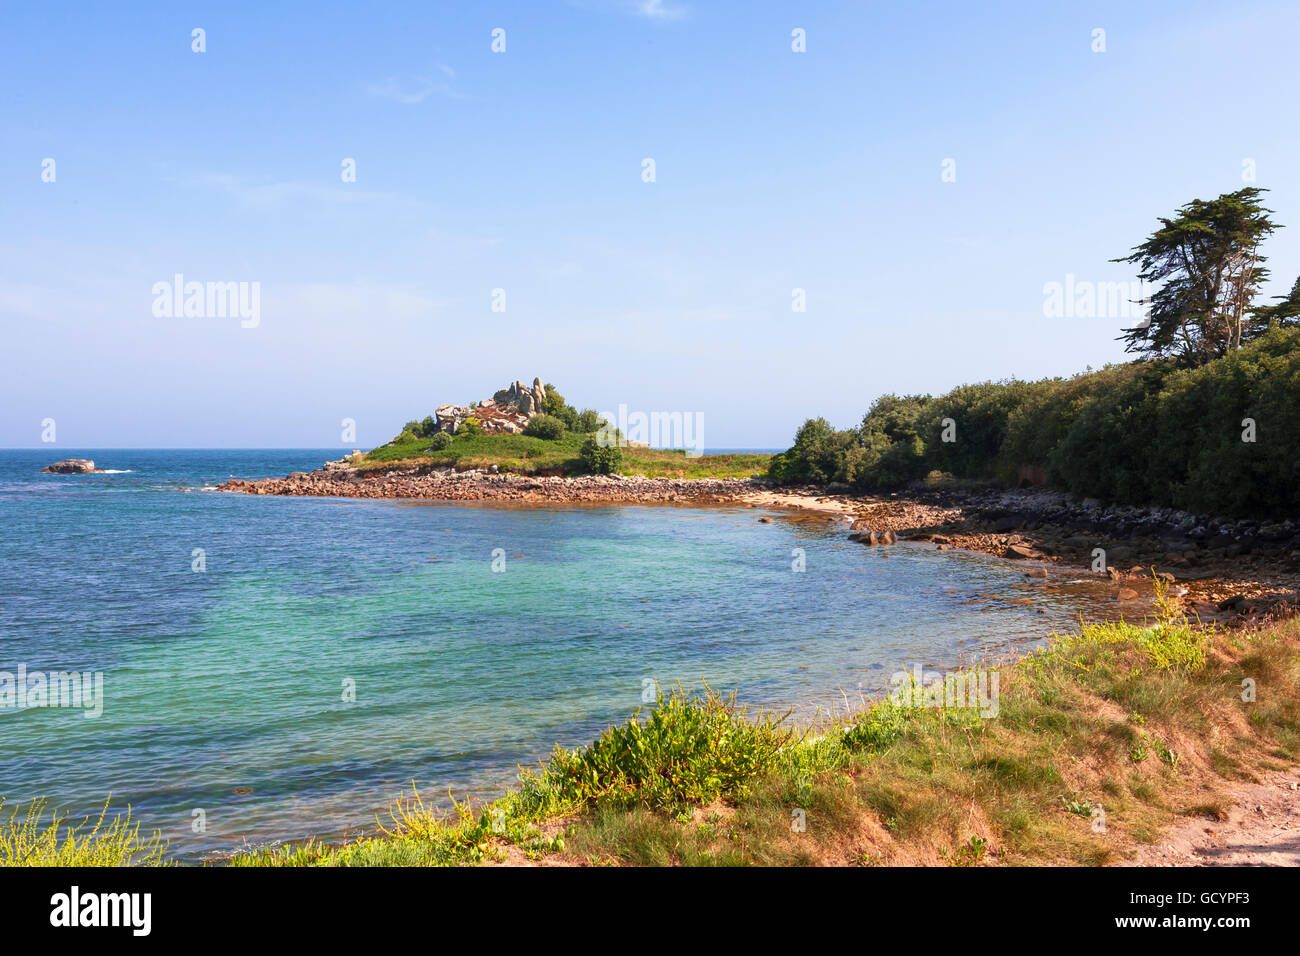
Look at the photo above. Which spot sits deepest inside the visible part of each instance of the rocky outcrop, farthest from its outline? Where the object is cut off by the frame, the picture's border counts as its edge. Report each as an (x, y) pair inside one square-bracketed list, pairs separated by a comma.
[(527, 400), (506, 412), (72, 466), (449, 417)]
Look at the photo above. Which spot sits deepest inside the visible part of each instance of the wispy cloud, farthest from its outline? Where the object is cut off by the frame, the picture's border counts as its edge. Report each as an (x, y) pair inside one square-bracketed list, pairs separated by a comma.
[(648, 9), (419, 89), (655, 10)]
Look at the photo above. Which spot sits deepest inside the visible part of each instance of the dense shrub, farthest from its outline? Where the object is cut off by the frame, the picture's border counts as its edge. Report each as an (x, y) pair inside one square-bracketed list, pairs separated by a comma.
[(688, 750), (975, 418), (1146, 432), (600, 459), (440, 441), (1175, 437), (820, 454), (575, 421), (545, 426), (589, 420)]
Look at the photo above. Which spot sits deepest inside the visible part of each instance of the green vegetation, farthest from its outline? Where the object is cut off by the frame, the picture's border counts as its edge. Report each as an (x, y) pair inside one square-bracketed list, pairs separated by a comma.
[(26, 841), (1218, 438), (675, 463), (697, 781), (1205, 423), (470, 448), (585, 421), (1206, 263), (687, 751), (561, 441), (528, 454), (545, 426), (600, 459)]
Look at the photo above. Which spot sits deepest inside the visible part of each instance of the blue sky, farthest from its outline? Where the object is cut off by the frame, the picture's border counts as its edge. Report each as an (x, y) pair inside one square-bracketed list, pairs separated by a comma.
[(522, 171)]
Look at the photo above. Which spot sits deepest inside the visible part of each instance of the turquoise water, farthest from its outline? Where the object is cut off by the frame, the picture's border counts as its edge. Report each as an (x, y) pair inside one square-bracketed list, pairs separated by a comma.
[(224, 689)]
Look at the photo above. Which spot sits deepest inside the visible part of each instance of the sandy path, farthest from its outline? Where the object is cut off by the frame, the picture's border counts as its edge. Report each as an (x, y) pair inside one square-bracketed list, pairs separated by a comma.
[(1262, 829), (831, 506)]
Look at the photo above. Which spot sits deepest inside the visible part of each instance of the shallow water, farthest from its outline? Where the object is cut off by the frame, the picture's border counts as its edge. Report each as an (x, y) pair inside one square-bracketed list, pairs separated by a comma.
[(224, 688)]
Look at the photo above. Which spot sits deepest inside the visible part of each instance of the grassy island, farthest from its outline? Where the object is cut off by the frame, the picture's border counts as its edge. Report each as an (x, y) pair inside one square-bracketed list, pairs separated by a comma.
[(560, 441), (528, 455)]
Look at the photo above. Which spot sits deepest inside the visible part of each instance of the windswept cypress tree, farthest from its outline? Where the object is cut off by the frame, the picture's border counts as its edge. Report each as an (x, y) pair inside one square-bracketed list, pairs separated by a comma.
[(1207, 265)]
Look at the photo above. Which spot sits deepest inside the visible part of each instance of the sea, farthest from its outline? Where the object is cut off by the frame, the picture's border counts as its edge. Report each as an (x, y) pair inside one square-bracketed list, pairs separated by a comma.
[(263, 670)]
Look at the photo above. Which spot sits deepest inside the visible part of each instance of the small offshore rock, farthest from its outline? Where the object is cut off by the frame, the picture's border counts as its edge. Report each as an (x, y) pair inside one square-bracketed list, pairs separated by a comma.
[(71, 466)]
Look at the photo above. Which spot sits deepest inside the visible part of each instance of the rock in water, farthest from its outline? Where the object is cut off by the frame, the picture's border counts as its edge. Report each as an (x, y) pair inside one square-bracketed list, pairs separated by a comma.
[(71, 466)]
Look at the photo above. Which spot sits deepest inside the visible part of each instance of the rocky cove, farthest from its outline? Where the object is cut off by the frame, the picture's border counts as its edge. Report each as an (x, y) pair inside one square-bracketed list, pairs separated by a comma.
[(1239, 572)]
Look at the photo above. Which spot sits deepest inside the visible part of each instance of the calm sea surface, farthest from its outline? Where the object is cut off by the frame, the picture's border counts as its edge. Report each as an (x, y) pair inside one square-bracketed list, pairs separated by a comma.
[(224, 688)]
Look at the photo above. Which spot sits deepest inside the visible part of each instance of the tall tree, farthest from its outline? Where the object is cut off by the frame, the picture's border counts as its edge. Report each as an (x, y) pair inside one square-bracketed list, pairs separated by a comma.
[(1206, 265)]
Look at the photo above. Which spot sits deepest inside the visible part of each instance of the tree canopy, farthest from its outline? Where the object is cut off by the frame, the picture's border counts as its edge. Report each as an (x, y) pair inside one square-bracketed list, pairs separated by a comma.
[(1207, 266)]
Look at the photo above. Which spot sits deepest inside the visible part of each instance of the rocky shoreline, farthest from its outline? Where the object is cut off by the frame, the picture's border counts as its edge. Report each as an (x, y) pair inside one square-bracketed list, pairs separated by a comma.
[(446, 484), (1239, 572)]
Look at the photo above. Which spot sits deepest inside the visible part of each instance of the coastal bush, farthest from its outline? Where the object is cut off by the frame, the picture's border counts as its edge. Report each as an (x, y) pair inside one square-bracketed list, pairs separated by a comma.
[(584, 421), (820, 454), (469, 428), (441, 440), (1220, 438), (554, 400), (544, 426), (689, 749), (976, 419), (558, 408), (600, 459)]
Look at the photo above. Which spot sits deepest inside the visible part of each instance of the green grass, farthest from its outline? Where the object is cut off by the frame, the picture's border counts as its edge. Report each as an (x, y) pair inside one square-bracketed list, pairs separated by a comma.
[(525, 454)]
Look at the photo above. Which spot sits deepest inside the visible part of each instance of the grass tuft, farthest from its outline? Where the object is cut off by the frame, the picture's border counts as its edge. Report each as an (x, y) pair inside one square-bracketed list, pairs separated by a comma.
[(25, 840)]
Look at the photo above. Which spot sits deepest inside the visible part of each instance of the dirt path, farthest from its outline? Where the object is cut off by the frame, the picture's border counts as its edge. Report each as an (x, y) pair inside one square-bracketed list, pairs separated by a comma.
[(1262, 829)]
